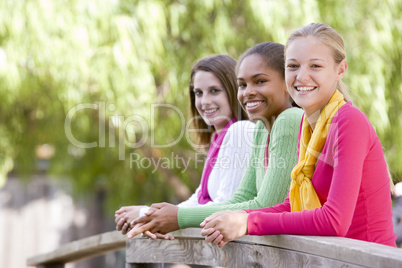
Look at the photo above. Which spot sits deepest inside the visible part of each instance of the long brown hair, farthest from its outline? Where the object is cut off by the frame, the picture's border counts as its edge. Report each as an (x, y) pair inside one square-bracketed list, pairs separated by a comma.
[(223, 67)]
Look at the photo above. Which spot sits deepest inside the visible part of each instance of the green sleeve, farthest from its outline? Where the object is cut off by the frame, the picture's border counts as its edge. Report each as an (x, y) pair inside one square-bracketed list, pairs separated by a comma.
[(275, 183), (282, 160)]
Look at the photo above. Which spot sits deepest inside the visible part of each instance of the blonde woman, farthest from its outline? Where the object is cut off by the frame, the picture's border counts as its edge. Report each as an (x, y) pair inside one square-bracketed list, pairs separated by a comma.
[(340, 186)]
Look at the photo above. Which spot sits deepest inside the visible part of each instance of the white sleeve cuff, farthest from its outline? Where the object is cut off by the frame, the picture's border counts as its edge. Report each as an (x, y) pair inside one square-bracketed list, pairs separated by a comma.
[(142, 211)]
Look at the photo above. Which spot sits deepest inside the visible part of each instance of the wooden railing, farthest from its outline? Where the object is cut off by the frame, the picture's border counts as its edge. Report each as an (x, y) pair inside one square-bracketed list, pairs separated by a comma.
[(249, 251)]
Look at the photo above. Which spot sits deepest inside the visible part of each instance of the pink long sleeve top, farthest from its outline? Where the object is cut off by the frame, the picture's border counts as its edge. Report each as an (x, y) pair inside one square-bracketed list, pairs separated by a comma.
[(352, 183)]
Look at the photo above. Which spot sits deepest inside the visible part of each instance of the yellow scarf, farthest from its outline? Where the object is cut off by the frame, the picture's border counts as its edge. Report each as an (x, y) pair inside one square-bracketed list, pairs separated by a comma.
[(302, 194)]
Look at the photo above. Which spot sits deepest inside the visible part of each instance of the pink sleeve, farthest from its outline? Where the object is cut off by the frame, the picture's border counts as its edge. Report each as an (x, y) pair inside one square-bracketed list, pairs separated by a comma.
[(349, 145)]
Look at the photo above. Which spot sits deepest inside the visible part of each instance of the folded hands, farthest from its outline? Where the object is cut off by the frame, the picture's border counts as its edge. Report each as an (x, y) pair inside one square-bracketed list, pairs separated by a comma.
[(161, 218)]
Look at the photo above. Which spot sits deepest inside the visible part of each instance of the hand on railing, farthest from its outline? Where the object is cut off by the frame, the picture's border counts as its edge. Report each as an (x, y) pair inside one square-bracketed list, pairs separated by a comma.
[(124, 216), (161, 218), (224, 226), (150, 235)]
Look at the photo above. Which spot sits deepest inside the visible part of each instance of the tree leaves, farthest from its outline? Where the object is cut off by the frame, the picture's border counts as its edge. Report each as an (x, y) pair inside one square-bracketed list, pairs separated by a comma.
[(129, 62)]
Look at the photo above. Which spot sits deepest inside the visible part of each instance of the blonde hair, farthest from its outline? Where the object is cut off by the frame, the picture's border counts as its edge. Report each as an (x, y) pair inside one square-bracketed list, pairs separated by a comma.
[(329, 37)]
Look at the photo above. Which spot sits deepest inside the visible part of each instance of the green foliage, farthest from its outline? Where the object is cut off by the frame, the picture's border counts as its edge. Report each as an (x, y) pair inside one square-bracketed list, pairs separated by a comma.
[(124, 59)]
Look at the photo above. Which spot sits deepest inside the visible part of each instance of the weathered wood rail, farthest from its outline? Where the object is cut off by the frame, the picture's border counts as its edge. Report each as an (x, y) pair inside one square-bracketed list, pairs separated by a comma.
[(249, 251)]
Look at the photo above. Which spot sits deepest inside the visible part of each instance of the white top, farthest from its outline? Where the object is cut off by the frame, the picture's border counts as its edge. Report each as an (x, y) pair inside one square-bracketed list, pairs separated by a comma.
[(231, 163)]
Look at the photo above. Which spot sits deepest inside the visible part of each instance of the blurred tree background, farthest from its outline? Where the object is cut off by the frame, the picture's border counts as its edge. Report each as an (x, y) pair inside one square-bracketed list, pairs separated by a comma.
[(93, 91)]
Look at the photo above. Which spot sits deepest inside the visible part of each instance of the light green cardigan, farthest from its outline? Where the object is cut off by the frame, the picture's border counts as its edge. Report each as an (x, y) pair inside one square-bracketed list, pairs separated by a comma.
[(259, 189)]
